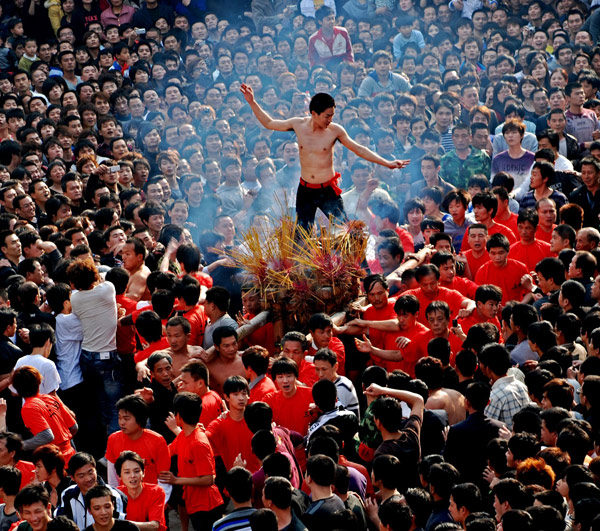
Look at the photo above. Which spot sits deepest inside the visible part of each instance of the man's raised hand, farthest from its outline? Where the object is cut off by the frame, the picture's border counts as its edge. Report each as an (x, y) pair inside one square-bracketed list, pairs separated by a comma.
[(248, 93), (397, 164)]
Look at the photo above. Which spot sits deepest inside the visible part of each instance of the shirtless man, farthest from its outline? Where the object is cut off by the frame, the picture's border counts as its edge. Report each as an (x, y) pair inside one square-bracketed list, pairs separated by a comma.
[(317, 136), (452, 402), (178, 334), (133, 256), (227, 360)]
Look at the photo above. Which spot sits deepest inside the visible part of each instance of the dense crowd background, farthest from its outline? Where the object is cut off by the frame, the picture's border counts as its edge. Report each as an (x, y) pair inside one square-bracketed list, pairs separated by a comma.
[(462, 392)]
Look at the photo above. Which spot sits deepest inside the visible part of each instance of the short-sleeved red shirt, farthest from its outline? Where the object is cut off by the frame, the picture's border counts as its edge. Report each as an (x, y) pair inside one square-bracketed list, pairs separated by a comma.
[(496, 228), (511, 222), (338, 347), (263, 336), (197, 319), (195, 458), (453, 298), (291, 413), (212, 407), (416, 349), (542, 235), (463, 285), (151, 447), (263, 387), (42, 412), (144, 354), (377, 337), (476, 263), (228, 438), (306, 373), (474, 319), (126, 334), (530, 255), (508, 278), (455, 344), (149, 506)]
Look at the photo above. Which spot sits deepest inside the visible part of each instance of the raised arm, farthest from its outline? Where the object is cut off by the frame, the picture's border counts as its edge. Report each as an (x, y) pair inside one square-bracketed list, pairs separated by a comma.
[(262, 116), (414, 401), (366, 153)]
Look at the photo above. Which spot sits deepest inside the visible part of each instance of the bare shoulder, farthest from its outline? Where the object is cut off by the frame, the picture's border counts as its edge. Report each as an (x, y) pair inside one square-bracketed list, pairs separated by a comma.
[(338, 130)]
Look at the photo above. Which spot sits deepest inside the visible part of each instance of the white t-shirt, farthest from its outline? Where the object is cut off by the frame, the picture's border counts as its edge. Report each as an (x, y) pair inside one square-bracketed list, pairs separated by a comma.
[(97, 311), (50, 376)]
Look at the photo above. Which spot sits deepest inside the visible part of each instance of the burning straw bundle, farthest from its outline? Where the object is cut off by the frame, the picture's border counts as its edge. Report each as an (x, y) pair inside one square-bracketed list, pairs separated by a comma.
[(298, 274)]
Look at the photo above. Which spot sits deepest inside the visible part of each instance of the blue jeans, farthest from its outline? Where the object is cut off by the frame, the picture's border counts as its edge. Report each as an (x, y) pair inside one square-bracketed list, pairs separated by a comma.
[(104, 376)]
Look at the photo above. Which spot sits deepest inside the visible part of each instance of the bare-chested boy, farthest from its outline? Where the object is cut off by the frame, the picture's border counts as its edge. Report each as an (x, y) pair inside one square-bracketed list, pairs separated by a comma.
[(316, 137), (133, 256)]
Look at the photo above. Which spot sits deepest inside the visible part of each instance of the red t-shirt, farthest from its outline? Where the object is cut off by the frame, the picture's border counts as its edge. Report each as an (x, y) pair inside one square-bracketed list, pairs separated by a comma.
[(542, 235), (42, 412), (203, 278), (306, 373), (264, 336), (197, 319), (149, 506), (195, 458), (497, 227), (511, 223), (126, 334), (377, 337), (453, 298), (338, 347), (212, 407), (151, 447), (142, 355), (27, 472), (406, 240), (229, 438), (474, 319), (507, 278), (291, 413), (530, 255), (476, 263), (263, 387), (455, 344), (462, 285), (416, 349)]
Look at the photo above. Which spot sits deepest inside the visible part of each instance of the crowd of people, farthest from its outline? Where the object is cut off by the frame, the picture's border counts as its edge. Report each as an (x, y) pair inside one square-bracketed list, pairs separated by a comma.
[(139, 143)]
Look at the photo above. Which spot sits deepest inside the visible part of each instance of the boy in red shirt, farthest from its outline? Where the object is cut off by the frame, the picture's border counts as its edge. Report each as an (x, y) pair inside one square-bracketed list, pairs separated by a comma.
[(485, 206), (252, 304), (229, 435), (429, 290), (407, 345), (195, 464), (256, 361), (446, 263), (151, 446), (438, 320), (149, 328), (119, 277), (320, 327), (529, 250), (291, 403), (294, 346), (477, 255), (187, 291), (487, 298), (194, 378), (502, 271), (44, 414), (145, 502)]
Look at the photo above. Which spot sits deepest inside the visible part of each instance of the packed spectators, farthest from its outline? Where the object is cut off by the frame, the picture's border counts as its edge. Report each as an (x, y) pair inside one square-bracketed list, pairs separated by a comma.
[(140, 142)]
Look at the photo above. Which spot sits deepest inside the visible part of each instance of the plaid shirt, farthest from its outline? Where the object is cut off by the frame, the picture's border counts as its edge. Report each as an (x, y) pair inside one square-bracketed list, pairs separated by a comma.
[(508, 396)]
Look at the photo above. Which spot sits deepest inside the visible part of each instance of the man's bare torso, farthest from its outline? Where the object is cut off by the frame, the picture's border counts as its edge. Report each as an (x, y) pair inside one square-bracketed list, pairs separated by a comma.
[(449, 400), (220, 370), (316, 150)]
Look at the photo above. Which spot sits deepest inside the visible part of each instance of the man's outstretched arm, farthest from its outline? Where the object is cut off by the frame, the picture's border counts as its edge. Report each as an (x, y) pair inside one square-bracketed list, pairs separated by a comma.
[(262, 116), (367, 154)]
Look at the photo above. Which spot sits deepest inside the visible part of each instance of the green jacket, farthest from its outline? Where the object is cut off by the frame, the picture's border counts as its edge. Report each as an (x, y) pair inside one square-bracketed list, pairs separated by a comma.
[(458, 172)]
